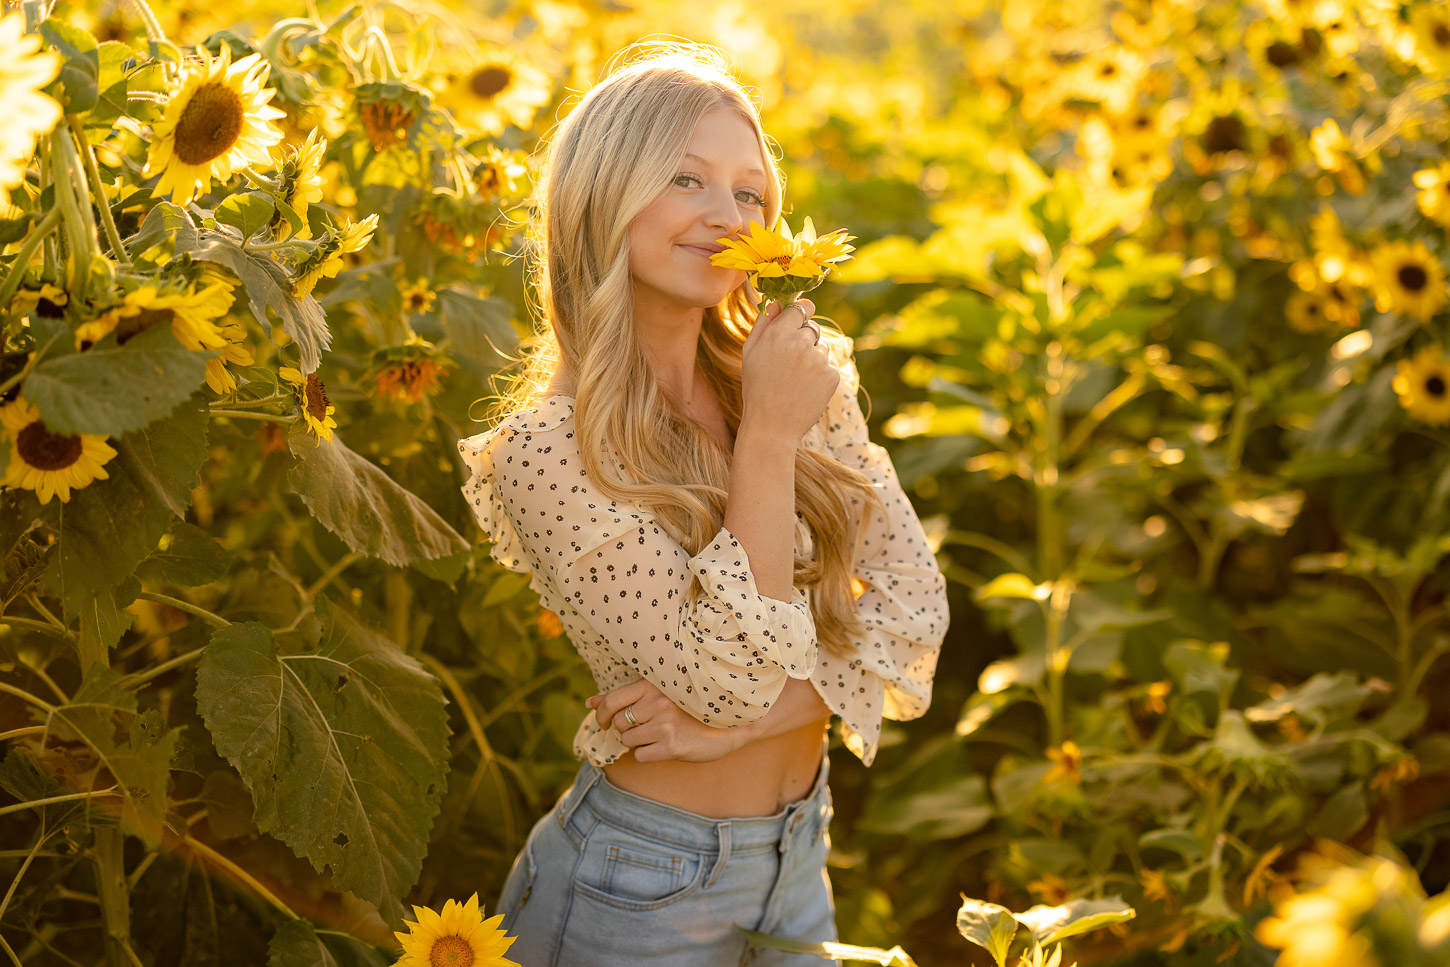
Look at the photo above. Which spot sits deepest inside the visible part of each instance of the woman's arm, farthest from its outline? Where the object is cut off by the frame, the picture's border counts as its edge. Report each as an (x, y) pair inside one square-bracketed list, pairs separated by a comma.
[(666, 731)]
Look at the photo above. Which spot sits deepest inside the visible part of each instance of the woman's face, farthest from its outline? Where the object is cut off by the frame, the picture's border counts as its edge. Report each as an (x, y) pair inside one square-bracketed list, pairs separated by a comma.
[(718, 190)]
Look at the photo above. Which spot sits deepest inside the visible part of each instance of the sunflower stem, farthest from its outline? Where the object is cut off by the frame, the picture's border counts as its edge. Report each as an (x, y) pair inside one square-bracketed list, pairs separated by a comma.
[(180, 605), (75, 226), (246, 415), (154, 33), (156, 671), (68, 797), (212, 856), (22, 259), (98, 192)]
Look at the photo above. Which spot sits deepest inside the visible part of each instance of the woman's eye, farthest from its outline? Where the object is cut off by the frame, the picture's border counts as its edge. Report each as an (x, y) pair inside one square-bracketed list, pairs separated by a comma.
[(685, 181), (750, 197)]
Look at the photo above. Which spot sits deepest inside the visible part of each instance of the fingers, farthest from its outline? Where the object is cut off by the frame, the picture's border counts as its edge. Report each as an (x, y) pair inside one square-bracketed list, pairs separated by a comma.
[(612, 703)]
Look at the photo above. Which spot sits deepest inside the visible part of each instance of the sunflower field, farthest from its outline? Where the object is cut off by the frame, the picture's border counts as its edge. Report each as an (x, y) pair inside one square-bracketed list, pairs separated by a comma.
[(1150, 302)]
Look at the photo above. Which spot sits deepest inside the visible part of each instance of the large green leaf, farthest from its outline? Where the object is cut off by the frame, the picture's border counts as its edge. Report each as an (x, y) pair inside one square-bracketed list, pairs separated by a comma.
[(296, 944), (989, 926), (190, 557), (103, 621), (477, 328), (269, 286), (344, 748), (140, 766), (113, 389), (1052, 924), (111, 525), (75, 88), (164, 223), (364, 506)]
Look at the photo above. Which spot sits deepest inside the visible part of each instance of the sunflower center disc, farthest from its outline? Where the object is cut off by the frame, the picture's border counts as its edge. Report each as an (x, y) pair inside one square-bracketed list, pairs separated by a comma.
[(210, 124), (317, 400), (1441, 33), (1412, 277), (139, 323), (1435, 386), (45, 450), (1224, 134), (489, 81), (451, 952), (782, 260)]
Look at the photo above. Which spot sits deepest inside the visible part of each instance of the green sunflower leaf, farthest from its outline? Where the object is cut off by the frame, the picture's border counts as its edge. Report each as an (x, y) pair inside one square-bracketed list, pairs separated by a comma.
[(248, 212), (76, 87), (138, 769), (365, 507), (987, 925), (296, 944), (344, 747), (269, 287), (111, 525), (113, 389), (190, 558), (1049, 925)]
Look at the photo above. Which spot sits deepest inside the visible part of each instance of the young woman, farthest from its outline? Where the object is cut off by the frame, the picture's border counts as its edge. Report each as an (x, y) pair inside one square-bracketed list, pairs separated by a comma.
[(691, 486)]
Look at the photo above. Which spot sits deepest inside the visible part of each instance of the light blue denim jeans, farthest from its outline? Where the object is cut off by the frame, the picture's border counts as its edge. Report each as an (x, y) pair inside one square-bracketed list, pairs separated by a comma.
[(611, 879)]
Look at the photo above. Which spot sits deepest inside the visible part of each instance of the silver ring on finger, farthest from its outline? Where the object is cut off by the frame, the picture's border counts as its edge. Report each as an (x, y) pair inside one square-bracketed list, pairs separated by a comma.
[(629, 715), (814, 328)]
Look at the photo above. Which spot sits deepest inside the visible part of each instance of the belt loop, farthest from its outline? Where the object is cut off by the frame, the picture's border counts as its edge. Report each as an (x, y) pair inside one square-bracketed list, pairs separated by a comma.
[(723, 858), (576, 794)]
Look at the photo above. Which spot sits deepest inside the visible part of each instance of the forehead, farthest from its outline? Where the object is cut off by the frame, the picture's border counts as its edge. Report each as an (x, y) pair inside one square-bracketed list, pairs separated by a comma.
[(724, 139)]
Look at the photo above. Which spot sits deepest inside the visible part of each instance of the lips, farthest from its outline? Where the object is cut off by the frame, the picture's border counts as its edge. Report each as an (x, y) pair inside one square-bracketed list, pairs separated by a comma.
[(705, 249)]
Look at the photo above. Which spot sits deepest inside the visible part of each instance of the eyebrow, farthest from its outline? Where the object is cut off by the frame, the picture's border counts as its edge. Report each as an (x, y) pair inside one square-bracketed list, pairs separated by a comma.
[(751, 171)]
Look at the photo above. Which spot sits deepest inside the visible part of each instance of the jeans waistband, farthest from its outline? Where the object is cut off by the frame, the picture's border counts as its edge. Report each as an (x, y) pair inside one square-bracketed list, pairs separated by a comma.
[(681, 827)]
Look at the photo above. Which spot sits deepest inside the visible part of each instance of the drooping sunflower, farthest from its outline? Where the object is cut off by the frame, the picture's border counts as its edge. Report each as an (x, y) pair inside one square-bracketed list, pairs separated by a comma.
[(1423, 385), (192, 314), (1408, 279), (1434, 195), (326, 260), (217, 121), (51, 464), (458, 937), (317, 409), (47, 301), (24, 70), (780, 263), (218, 377), (1430, 26), (494, 90), (301, 182)]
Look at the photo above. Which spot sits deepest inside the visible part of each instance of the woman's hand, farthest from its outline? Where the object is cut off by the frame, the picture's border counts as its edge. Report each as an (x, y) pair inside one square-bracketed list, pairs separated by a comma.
[(664, 730), (787, 378)]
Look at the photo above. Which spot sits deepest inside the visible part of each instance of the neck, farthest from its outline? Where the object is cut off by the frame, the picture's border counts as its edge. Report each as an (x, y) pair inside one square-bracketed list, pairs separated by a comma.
[(671, 336)]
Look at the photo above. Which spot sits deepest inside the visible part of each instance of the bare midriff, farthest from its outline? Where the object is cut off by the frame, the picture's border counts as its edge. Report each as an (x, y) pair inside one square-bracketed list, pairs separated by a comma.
[(759, 779)]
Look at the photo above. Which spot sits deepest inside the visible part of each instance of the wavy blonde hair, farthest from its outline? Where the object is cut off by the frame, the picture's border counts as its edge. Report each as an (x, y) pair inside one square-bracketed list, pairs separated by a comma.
[(604, 164)]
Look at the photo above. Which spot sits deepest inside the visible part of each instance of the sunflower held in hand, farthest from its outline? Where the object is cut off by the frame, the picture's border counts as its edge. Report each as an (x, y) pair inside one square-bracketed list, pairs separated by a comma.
[(782, 265)]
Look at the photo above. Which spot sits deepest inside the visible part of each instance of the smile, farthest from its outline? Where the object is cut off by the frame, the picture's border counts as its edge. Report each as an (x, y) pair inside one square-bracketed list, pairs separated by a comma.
[(704, 251)]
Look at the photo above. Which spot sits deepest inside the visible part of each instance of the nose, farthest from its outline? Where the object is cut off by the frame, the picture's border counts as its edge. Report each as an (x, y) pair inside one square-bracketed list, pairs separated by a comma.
[(724, 213)]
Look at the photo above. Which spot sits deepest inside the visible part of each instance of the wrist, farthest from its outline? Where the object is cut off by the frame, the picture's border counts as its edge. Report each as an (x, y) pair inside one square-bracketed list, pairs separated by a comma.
[(765, 437)]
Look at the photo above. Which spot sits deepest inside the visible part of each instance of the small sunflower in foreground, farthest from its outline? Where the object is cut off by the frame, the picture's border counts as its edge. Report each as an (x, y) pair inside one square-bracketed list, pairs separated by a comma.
[(458, 937), (216, 122), (192, 315), (24, 70), (1408, 279), (1423, 386), (317, 409), (495, 91), (301, 182), (51, 464), (47, 301)]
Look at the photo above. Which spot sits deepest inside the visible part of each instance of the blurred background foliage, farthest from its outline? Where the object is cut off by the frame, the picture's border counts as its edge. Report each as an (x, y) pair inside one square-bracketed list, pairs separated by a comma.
[(1150, 306)]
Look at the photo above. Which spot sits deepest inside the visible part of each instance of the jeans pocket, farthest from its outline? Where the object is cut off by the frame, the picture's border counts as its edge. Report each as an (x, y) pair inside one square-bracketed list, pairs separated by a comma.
[(631, 872)]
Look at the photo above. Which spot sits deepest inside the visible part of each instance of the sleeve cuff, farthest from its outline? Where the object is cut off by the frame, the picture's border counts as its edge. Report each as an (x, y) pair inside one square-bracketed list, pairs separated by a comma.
[(750, 627)]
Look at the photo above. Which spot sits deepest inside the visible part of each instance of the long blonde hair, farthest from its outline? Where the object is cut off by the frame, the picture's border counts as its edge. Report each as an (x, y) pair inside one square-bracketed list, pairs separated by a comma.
[(604, 164)]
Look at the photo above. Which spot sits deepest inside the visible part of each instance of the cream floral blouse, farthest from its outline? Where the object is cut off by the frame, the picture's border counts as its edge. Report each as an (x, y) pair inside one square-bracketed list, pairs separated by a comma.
[(620, 584)]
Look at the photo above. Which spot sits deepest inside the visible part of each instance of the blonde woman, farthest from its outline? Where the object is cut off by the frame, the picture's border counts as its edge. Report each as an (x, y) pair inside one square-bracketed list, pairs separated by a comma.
[(691, 486)]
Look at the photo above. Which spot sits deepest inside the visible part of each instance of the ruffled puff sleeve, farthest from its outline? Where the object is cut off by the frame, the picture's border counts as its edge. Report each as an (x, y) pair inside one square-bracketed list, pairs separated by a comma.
[(626, 590), (902, 601)]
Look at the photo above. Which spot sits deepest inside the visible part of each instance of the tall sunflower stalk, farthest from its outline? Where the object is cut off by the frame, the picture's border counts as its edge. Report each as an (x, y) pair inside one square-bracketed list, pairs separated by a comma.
[(781, 265)]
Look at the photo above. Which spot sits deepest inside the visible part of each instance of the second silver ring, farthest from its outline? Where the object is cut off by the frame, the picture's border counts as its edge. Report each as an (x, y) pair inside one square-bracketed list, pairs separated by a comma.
[(629, 715)]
